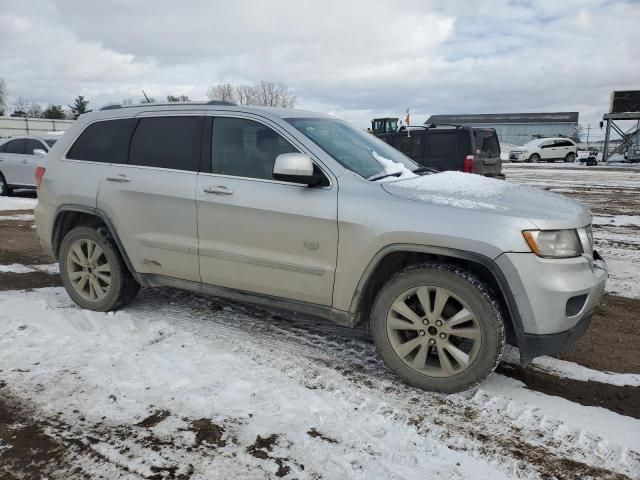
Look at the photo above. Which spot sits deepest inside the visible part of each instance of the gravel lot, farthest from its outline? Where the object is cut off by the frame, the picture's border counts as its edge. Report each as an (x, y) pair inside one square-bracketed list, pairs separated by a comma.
[(183, 386)]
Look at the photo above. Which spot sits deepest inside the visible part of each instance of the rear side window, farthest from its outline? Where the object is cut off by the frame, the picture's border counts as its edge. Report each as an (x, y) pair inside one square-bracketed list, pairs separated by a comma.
[(412, 146), (486, 142), (32, 145), (16, 146), (563, 143), (167, 142), (104, 142), (443, 144)]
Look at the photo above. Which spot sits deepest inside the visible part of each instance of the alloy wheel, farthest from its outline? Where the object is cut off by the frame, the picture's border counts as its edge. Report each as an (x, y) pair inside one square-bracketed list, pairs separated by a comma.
[(88, 270), (433, 331)]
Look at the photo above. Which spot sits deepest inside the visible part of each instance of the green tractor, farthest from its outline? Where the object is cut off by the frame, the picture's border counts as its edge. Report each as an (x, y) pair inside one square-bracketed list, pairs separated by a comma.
[(380, 126)]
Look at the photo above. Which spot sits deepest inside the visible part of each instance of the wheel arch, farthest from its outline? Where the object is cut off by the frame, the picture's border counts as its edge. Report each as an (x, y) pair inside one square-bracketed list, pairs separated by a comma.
[(394, 258), (70, 216)]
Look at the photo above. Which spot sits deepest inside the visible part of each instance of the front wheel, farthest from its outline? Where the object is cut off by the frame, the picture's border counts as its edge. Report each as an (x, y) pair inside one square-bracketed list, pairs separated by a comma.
[(535, 158), (438, 327), (93, 272)]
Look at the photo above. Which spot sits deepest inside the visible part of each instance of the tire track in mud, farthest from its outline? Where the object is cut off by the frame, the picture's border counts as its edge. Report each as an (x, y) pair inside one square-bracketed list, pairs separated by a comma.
[(532, 442)]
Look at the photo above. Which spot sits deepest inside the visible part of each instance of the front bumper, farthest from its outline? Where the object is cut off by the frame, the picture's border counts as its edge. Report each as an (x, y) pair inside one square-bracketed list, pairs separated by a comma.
[(555, 298)]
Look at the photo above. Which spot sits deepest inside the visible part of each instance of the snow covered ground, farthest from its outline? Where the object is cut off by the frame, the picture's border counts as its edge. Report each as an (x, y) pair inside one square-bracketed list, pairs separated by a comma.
[(333, 408), (191, 387)]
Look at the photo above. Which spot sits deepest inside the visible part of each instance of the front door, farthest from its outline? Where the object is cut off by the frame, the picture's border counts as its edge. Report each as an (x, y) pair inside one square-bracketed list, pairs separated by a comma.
[(12, 166), (150, 195), (257, 234)]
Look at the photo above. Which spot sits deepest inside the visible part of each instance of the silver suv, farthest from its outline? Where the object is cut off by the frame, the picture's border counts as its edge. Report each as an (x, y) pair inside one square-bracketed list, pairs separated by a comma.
[(301, 211), (19, 158)]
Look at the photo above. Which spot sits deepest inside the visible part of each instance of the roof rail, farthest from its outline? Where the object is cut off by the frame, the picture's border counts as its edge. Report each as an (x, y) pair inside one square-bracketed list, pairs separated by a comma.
[(434, 125), (111, 107), (221, 102)]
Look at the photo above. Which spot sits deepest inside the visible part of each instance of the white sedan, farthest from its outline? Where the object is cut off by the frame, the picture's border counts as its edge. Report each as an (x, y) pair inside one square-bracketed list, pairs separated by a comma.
[(545, 150)]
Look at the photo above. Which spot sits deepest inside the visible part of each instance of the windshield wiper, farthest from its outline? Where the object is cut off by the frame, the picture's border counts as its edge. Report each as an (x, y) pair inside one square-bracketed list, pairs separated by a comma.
[(385, 175), (425, 170)]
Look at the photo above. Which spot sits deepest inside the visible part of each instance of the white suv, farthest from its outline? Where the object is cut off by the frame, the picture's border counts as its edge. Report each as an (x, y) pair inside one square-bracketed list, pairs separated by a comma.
[(545, 150), (19, 158)]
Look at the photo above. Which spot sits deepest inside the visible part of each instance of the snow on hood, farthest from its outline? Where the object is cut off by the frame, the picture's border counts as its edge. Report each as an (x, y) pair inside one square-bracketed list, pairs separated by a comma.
[(469, 191)]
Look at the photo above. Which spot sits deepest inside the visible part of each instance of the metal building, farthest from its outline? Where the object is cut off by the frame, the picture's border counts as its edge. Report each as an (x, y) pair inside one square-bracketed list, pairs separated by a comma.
[(517, 128)]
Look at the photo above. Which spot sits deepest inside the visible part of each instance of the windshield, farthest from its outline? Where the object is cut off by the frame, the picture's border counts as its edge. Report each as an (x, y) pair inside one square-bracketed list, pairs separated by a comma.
[(354, 149), (533, 143)]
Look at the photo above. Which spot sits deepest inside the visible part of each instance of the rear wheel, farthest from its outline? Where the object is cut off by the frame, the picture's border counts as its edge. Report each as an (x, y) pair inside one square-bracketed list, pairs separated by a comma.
[(5, 191), (570, 158), (438, 327), (93, 272)]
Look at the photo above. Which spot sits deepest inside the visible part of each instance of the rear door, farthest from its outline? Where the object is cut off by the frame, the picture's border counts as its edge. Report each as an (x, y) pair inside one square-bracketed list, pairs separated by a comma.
[(548, 150), (11, 165), (444, 149), (149, 195), (487, 152)]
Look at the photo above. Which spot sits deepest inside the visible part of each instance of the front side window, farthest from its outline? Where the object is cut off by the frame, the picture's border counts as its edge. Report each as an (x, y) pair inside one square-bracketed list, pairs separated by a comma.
[(32, 145), (105, 142), (245, 148), (16, 146), (167, 142), (354, 149)]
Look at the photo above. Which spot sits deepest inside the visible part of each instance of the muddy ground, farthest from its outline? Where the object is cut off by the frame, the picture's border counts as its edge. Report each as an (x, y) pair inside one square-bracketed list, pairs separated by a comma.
[(47, 447)]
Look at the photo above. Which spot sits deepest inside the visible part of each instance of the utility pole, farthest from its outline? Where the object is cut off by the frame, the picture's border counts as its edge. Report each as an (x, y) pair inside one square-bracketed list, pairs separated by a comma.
[(588, 130)]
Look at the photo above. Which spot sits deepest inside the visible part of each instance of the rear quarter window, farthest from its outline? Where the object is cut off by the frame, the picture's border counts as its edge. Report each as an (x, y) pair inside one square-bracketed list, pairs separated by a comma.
[(106, 141)]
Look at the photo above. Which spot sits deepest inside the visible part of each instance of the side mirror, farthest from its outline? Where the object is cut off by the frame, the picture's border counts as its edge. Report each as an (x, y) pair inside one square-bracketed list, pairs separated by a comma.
[(296, 168), (39, 151)]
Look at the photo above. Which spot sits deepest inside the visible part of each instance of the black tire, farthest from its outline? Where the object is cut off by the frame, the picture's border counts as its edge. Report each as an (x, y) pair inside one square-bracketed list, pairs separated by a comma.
[(5, 191), (570, 158), (123, 287), (535, 158), (479, 299)]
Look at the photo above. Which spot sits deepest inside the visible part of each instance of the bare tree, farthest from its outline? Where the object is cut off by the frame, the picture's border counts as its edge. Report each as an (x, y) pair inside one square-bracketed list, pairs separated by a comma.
[(223, 92), (266, 94), (3, 96), (272, 94), (34, 111), (177, 98), (20, 108)]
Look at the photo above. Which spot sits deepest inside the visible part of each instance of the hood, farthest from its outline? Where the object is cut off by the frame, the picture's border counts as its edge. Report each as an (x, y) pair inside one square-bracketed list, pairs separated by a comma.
[(467, 191)]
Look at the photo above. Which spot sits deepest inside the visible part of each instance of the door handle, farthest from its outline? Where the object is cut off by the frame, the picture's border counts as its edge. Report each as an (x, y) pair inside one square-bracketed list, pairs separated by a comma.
[(218, 190), (119, 179), (24, 161)]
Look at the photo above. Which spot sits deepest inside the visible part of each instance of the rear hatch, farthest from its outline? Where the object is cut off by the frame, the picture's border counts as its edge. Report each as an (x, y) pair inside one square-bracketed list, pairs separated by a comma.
[(487, 152)]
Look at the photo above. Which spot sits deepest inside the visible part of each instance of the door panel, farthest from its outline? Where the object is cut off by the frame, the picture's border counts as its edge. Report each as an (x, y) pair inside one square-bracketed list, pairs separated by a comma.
[(150, 197), (268, 237), (11, 165), (257, 234), (154, 213)]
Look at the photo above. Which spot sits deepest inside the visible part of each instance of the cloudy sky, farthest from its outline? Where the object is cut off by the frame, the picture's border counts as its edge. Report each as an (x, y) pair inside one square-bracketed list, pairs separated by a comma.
[(355, 59)]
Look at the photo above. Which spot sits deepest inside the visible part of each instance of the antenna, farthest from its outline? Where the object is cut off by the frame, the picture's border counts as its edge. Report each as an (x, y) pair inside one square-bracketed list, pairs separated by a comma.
[(145, 96)]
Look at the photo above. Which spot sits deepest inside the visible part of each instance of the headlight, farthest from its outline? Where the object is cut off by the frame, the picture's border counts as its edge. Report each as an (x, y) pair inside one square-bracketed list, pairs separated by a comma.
[(554, 243)]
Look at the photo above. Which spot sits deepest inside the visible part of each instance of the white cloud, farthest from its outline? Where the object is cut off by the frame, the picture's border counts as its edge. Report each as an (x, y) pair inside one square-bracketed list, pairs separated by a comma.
[(353, 58)]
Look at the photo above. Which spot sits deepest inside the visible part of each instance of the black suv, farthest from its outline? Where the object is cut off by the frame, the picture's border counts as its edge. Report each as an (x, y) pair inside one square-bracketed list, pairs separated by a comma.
[(450, 147)]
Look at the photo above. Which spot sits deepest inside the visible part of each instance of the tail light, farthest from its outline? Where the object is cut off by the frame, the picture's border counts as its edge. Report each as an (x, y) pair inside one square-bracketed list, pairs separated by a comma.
[(39, 174), (469, 164)]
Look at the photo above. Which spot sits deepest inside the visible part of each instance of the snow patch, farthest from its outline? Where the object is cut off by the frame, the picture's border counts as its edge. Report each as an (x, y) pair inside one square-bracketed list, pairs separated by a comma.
[(391, 167), (51, 268), (17, 203)]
